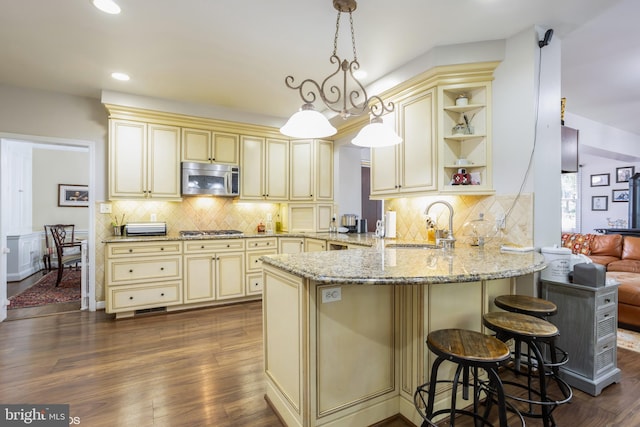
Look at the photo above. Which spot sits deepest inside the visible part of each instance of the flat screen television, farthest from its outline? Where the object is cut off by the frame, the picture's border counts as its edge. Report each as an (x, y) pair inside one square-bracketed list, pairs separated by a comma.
[(569, 146)]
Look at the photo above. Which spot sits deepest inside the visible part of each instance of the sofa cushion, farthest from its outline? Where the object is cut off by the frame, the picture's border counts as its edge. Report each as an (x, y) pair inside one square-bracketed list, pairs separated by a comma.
[(628, 265), (578, 243), (603, 259), (631, 248), (629, 289), (607, 245)]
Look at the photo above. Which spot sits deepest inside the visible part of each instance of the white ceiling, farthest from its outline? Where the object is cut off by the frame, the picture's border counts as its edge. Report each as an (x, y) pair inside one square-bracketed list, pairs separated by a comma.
[(235, 54)]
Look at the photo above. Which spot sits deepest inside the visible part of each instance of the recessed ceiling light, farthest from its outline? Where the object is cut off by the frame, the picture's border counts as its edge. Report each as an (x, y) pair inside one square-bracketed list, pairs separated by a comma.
[(107, 6), (120, 76)]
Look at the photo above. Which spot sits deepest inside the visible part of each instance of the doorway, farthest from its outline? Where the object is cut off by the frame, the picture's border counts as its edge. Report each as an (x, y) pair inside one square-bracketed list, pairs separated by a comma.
[(38, 203), (371, 209)]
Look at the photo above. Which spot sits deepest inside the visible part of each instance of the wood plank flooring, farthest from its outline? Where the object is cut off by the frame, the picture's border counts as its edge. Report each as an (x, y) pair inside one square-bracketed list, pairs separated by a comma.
[(194, 368)]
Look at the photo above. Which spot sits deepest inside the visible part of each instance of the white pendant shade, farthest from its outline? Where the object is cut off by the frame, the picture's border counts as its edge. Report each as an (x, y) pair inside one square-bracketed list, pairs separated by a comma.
[(376, 134), (308, 123)]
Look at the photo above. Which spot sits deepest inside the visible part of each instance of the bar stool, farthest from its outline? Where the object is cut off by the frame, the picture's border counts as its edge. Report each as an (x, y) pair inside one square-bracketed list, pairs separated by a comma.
[(524, 304), (538, 334), (471, 351)]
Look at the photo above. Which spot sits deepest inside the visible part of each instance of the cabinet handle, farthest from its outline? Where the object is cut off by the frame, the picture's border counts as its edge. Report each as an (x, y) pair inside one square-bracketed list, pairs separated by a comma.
[(607, 315), (607, 301)]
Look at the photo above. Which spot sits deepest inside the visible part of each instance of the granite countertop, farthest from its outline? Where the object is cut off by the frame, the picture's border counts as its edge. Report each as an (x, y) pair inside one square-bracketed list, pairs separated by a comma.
[(403, 265), (364, 239)]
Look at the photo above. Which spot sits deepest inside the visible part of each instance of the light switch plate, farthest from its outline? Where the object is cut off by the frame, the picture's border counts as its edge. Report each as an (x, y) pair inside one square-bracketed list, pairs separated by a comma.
[(105, 208)]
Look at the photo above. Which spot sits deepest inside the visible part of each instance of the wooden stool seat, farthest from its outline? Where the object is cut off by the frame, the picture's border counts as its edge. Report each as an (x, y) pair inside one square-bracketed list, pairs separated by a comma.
[(527, 305), (520, 324), (471, 351)]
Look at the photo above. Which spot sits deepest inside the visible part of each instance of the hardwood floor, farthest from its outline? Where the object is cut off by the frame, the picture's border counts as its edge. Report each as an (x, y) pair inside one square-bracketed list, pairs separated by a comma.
[(14, 288), (194, 368)]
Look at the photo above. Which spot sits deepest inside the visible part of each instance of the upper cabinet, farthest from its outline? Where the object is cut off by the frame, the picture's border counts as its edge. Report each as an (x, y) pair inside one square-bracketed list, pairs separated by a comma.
[(465, 138), (410, 166), (264, 168), (144, 161), (311, 167), (205, 146)]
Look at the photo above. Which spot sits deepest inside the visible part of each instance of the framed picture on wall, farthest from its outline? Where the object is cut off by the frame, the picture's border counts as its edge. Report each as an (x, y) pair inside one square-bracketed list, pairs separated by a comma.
[(600, 180), (70, 195), (621, 195), (623, 174), (599, 203)]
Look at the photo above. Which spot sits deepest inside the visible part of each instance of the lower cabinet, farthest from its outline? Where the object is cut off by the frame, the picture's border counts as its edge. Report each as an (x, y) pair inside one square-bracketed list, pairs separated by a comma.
[(142, 275), (214, 270), (256, 248), (314, 245)]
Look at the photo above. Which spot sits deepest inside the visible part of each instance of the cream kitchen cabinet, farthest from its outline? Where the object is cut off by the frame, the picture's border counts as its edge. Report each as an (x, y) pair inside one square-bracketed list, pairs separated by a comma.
[(290, 245), (142, 275), (311, 169), (256, 248), (314, 245), (264, 168), (309, 217), (205, 146), (465, 137), (409, 167), (144, 161), (214, 270)]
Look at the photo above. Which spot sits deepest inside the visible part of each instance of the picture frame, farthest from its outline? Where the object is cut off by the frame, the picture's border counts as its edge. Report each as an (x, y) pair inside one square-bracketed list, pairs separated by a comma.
[(600, 180), (624, 173), (621, 195), (599, 203), (71, 195)]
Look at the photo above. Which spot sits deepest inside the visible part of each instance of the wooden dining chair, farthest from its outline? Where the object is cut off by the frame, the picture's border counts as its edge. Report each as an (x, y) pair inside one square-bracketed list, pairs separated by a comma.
[(68, 250)]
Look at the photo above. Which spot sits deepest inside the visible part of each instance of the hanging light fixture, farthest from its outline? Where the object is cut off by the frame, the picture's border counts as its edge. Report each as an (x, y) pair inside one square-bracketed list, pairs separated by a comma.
[(309, 123)]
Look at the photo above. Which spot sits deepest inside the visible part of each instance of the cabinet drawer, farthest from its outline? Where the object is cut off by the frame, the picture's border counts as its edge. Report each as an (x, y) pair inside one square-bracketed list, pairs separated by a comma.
[(199, 246), (606, 324), (605, 357), (143, 248), (143, 269), (606, 299), (254, 264), (254, 284), (262, 243), (127, 298)]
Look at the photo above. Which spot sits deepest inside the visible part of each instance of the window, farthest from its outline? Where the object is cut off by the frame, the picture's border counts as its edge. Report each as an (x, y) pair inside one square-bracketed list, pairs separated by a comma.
[(570, 202)]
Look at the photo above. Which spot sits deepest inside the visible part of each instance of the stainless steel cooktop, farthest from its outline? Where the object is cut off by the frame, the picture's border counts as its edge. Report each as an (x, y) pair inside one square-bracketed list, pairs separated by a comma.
[(201, 233)]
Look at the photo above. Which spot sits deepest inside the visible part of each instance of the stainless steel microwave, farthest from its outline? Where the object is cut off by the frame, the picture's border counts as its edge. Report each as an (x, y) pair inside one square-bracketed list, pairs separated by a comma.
[(208, 179)]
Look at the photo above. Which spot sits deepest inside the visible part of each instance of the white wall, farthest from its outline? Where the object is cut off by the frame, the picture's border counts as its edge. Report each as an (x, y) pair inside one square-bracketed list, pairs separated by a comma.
[(49, 114)]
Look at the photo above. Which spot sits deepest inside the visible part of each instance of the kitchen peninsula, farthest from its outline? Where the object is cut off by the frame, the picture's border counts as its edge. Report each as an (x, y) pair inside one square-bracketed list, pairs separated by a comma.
[(344, 331)]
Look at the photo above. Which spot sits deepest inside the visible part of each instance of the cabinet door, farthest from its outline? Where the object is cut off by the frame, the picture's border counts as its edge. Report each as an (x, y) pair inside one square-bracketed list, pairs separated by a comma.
[(291, 245), (225, 148), (315, 245), (384, 161), (323, 170), (230, 275), (418, 151), (164, 162), (127, 159), (252, 167), (276, 168), (196, 145), (199, 273), (302, 170)]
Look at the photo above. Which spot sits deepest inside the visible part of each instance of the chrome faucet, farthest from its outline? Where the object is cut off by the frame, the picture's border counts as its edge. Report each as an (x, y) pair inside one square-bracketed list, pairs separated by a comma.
[(449, 241)]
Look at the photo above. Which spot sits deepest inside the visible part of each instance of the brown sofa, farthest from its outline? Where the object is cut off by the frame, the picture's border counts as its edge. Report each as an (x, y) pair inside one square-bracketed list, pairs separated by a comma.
[(621, 255)]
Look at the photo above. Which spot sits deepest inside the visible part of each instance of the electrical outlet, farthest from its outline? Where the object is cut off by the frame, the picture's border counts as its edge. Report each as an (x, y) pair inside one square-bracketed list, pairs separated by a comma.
[(154, 217), (501, 222), (105, 208), (331, 295)]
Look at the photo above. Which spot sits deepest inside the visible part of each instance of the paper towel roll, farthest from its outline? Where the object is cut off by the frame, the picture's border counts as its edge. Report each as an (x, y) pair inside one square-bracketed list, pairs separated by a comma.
[(390, 225)]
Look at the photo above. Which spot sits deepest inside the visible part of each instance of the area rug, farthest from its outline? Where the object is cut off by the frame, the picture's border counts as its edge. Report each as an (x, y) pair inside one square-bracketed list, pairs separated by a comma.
[(44, 291), (629, 340)]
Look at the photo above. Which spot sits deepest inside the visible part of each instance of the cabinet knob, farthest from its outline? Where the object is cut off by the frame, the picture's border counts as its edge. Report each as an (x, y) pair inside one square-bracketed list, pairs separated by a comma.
[(130, 250), (130, 298), (228, 246), (130, 271), (162, 249), (162, 294), (202, 247), (256, 261), (161, 268), (310, 195), (607, 301)]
